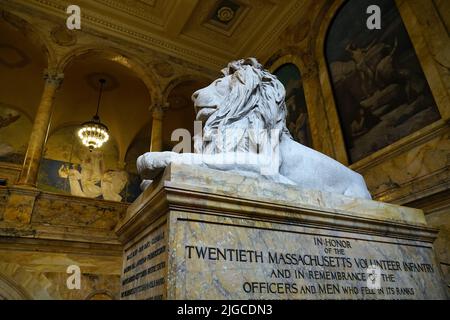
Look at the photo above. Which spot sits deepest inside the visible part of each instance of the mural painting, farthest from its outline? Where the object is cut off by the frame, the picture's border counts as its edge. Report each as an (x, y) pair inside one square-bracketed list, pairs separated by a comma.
[(297, 117), (70, 167), (15, 129), (380, 89)]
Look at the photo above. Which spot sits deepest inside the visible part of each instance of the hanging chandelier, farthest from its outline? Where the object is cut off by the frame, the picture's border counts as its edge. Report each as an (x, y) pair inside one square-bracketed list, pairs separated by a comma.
[(93, 134)]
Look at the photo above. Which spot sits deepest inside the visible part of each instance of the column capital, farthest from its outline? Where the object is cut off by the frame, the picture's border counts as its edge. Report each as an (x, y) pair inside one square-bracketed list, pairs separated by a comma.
[(159, 107), (121, 165), (53, 77)]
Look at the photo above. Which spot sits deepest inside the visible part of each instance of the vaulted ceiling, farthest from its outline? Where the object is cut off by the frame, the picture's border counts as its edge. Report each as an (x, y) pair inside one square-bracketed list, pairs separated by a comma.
[(175, 39), (204, 32)]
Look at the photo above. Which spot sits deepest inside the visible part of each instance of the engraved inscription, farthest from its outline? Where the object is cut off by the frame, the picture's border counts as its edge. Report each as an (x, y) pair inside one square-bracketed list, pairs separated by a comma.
[(143, 274), (258, 264)]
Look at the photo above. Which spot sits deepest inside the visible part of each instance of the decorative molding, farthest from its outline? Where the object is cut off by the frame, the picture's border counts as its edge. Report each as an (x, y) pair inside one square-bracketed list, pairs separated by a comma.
[(227, 29), (417, 189), (407, 143), (144, 39), (269, 36), (21, 58), (211, 58), (137, 8), (63, 37)]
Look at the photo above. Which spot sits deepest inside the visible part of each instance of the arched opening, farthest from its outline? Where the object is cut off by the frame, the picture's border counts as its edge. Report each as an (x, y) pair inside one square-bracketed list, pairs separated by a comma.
[(9, 290), (67, 165), (297, 120), (100, 295), (22, 62), (139, 146), (181, 113)]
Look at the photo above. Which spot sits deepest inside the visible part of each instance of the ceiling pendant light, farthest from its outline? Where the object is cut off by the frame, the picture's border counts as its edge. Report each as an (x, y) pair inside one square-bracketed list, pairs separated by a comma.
[(93, 134)]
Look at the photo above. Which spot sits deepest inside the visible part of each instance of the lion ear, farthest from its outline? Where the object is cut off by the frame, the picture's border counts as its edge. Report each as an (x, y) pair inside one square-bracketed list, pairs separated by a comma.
[(252, 62)]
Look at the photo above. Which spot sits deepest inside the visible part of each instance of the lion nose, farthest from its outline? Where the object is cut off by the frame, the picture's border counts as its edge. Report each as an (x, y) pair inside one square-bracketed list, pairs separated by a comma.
[(195, 95)]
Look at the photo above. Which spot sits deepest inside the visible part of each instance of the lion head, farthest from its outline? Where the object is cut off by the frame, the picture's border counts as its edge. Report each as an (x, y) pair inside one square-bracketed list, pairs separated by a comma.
[(246, 99)]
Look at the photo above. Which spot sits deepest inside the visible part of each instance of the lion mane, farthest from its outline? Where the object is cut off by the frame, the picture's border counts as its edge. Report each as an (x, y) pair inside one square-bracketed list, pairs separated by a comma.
[(256, 102)]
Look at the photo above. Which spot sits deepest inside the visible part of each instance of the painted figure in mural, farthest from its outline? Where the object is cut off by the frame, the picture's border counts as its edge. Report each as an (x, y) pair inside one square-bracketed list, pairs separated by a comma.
[(91, 180), (359, 57), (74, 176), (112, 183), (244, 114), (8, 119), (297, 116), (297, 123), (380, 89), (71, 168)]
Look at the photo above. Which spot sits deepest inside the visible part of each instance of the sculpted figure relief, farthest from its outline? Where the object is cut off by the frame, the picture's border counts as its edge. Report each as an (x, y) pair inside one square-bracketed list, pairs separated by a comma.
[(244, 118)]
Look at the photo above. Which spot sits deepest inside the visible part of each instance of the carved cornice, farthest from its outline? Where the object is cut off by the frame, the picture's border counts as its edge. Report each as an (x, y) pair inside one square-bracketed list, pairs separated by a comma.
[(134, 8), (407, 143), (417, 190), (131, 29), (116, 30)]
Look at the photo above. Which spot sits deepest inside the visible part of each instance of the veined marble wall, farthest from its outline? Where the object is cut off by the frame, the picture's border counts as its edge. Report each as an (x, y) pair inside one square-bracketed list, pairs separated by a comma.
[(52, 232), (15, 129)]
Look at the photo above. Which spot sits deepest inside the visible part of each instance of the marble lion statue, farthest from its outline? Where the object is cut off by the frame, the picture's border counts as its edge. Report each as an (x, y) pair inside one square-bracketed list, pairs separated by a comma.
[(244, 130)]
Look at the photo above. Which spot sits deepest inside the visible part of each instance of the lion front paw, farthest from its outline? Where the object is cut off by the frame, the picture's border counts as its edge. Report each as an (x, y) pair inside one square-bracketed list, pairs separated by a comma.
[(150, 164)]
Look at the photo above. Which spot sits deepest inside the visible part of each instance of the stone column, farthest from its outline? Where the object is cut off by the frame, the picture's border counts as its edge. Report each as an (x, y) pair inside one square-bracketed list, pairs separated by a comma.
[(157, 127), (30, 168)]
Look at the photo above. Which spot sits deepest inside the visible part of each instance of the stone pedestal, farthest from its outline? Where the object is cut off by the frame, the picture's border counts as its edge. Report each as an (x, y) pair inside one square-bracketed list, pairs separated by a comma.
[(205, 234)]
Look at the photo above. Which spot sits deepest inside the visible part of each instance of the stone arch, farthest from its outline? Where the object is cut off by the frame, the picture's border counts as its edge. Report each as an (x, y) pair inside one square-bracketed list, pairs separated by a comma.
[(288, 58), (134, 64), (179, 80), (296, 61), (322, 24), (180, 113), (100, 295), (34, 286), (10, 290)]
